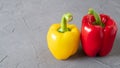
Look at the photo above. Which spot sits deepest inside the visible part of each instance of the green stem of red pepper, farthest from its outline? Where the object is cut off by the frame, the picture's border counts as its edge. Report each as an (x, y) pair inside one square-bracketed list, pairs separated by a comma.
[(96, 16), (65, 19)]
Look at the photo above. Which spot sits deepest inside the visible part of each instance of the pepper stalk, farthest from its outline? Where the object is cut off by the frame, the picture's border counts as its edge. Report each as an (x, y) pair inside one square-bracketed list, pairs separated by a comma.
[(96, 16), (65, 19)]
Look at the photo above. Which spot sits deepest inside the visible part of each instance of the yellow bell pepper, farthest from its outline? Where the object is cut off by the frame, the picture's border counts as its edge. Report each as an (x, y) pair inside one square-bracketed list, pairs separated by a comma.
[(63, 39)]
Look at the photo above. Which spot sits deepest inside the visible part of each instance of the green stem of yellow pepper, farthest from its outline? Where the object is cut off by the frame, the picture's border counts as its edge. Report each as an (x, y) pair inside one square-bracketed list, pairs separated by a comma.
[(65, 19)]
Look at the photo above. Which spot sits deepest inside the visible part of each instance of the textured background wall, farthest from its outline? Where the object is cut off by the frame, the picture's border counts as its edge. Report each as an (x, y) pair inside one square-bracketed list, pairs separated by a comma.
[(24, 25)]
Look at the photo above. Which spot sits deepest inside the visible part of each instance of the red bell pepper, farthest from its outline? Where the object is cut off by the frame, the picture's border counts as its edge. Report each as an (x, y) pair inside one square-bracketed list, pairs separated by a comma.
[(97, 34)]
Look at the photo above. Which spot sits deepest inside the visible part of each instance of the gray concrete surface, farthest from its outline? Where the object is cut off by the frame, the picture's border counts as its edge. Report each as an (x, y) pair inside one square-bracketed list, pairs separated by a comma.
[(24, 25)]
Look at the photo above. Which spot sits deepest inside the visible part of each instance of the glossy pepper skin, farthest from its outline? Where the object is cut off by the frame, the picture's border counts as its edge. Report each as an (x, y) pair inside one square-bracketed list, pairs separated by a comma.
[(63, 39), (97, 34)]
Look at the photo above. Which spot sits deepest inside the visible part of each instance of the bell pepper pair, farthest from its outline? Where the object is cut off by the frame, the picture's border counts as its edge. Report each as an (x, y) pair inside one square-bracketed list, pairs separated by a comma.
[(97, 36)]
